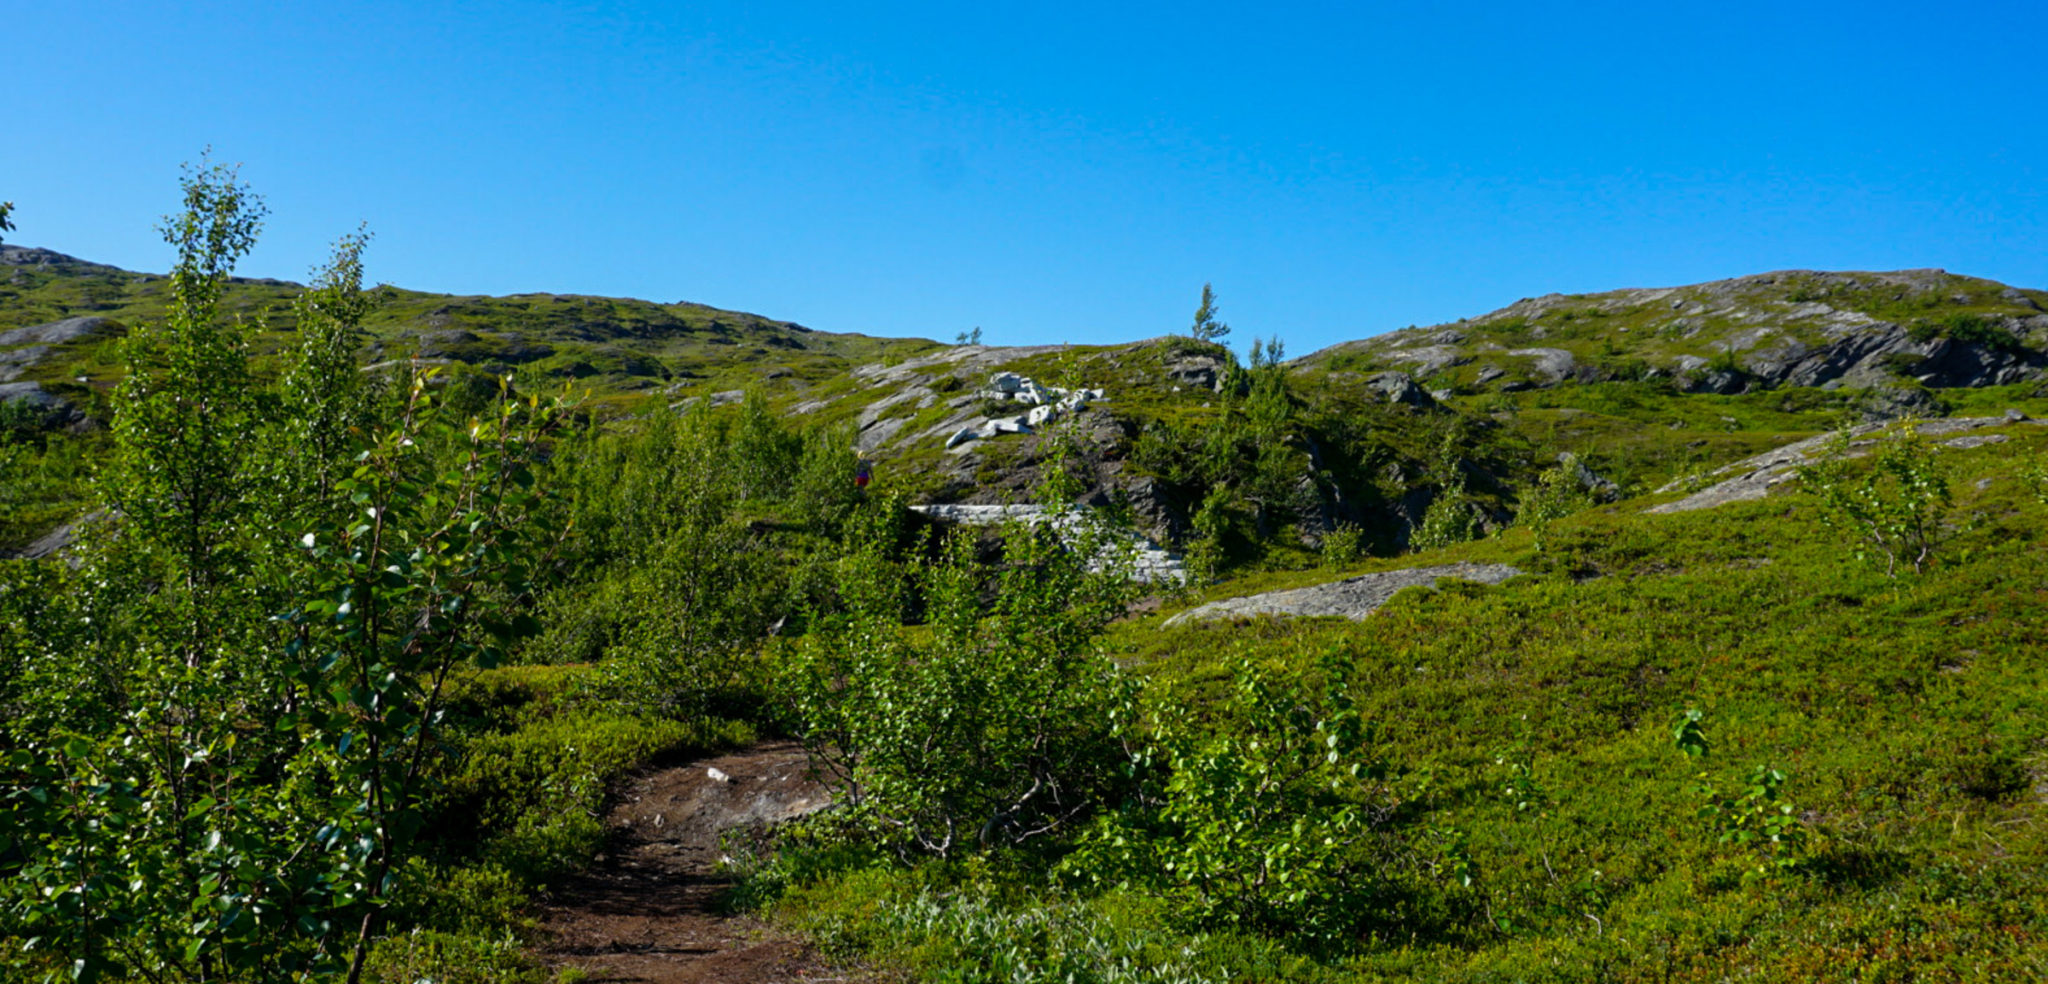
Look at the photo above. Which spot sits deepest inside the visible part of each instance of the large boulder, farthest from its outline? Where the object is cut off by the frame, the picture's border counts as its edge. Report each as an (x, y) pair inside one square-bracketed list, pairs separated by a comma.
[(1196, 371), (1399, 387)]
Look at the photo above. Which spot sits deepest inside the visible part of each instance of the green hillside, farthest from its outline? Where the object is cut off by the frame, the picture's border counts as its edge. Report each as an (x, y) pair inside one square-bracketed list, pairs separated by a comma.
[(626, 352), (1796, 327), (314, 673)]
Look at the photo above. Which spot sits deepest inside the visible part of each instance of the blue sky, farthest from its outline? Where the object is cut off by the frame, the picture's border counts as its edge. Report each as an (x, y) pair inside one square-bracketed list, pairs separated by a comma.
[(1050, 173)]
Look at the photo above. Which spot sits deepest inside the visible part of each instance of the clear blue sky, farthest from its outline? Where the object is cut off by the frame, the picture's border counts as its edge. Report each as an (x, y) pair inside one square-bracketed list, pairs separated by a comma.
[(1050, 172)]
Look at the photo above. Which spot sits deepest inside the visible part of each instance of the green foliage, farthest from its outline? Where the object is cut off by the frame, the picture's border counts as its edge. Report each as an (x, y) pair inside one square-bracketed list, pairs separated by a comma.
[(1210, 550), (1245, 465), (1343, 546), (1447, 521), (21, 422), (6, 218), (1897, 509), (972, 935), (689, 537), (2034, 475), (230, 712), (181, 473), (1060, 468), (1557, 494), (274, 851), (981, 729), (326, 405), (1967, 328), (1724, 360), (453, 958), (1759, 820), (1271, 822), (966, 923), (1689, 734)]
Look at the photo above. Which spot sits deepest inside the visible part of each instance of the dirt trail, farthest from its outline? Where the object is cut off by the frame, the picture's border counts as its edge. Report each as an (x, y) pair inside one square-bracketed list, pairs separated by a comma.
[(646, 911)]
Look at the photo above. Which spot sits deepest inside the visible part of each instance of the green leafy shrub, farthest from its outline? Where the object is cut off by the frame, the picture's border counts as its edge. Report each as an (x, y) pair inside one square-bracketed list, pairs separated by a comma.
[(266, 676), (979, 729), (1272, 821), (1967, 328), (1448, 520), (1896, 509), (1343, 546), (1758, 820), (1556, 494), (1210, 549)]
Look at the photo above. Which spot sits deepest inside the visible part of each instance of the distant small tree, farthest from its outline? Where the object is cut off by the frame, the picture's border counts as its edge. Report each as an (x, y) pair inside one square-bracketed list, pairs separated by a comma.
[(1557, 494), (1448, 520), (1206, 327), (1209, 552), (1894, 511), (1343, 546), (327, 405), (1267, 353), (6, 223), (969, 337)]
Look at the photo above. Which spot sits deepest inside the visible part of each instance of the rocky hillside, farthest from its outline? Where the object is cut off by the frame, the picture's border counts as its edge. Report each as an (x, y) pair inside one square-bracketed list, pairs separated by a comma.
[(624, 351), (1642, 387), (1790, 328)]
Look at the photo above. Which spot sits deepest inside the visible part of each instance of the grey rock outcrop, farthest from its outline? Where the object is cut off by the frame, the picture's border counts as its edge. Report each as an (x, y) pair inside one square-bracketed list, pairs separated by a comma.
[(1788, 328), (1148, 562), (1353, 598), (1554, 365), (1399, 387), (1754, 478), (1196, 372), (14, 362), (1047, 403), (61, 332)]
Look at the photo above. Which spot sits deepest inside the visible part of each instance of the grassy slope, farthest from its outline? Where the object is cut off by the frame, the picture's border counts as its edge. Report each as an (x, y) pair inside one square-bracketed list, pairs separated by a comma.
[(1908, 713), (626, 352)]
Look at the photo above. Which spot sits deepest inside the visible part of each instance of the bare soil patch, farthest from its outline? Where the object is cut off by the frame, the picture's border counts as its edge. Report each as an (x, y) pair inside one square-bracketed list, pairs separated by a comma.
[(647, 910)]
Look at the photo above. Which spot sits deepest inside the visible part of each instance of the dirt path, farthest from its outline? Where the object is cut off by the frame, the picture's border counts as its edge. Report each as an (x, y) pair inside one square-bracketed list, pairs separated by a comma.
[(646, 911)]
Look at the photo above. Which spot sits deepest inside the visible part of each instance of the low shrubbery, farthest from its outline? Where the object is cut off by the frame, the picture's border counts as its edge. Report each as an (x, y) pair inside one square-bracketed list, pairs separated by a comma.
[(1522, 811), (987, 726), (1895, 511)]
